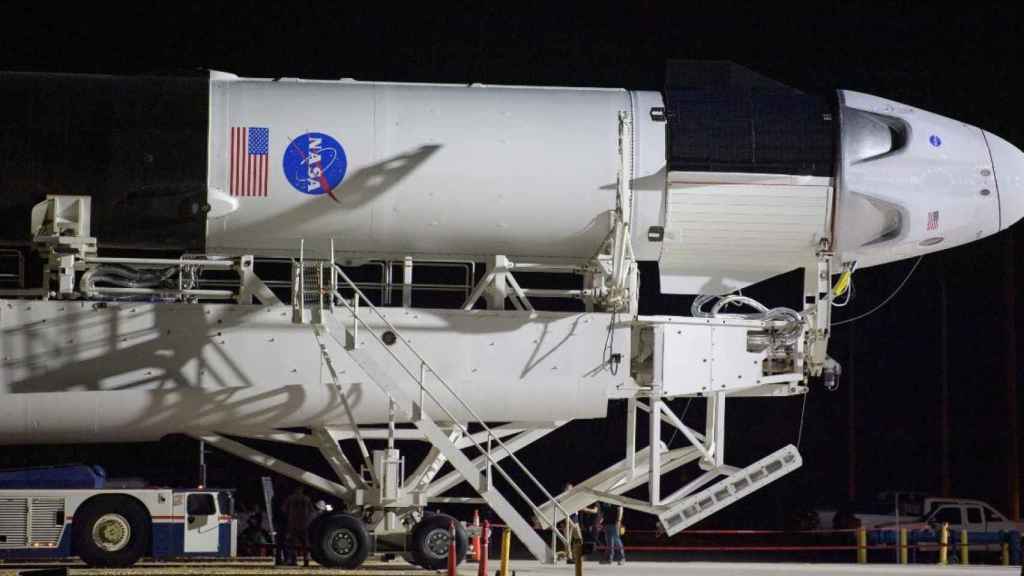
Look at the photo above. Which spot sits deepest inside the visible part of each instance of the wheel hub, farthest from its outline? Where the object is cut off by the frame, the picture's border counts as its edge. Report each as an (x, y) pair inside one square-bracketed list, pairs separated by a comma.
[(343, 542), (438, 542), (111, 532)]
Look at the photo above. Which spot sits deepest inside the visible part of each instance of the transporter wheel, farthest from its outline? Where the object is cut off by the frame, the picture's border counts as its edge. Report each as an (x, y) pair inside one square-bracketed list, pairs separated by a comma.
[(313, 535), (430, 541), (339, 541), (111, 531)]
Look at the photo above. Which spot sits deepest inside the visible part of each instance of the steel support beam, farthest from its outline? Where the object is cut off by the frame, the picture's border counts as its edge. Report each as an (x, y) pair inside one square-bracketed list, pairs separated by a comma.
[(295, 473), (695, 438), (631, 436), (452, 479), (295, 438), (430, 466), (343, 469), (715, 428), (654, 454), (616, 480), (406, 282), (497, 292)]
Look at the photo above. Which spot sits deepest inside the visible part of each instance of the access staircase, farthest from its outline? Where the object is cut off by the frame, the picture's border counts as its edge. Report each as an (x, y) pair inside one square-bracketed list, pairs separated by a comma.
[(394, 365)]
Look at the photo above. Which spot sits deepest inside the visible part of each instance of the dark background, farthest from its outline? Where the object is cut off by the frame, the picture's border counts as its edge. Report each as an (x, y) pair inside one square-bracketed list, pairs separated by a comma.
[(962, 64)]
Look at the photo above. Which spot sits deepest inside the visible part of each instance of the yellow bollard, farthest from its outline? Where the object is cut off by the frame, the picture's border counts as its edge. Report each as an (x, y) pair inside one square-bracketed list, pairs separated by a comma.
[(577, 548), (506, 549), (903, 546), (862, 546), (944, 544), (577, 556), (1006, 554), (964, 550)]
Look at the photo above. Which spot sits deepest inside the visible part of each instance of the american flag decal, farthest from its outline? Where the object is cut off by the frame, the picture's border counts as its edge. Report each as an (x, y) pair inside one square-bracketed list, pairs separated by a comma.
[(933, 220), (249, 159)]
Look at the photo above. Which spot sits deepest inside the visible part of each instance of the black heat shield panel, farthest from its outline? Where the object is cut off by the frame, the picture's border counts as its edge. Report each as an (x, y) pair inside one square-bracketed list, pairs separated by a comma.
[(137, 146), (725, 118)]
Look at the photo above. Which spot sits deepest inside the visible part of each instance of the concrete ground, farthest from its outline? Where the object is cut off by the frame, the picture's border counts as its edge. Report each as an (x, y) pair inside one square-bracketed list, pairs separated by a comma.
[(763, 569), (239, 567), (254, 567)]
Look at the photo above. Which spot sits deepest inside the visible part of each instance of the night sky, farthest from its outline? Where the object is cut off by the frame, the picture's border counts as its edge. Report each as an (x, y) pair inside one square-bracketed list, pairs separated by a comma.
[(964, 64)]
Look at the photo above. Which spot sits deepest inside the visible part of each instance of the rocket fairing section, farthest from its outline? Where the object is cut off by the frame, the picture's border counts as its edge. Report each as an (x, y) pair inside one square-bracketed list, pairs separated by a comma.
[(423, 170)]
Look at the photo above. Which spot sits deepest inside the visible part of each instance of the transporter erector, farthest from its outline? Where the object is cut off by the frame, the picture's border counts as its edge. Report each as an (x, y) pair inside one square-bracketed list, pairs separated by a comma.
[(276, 195)]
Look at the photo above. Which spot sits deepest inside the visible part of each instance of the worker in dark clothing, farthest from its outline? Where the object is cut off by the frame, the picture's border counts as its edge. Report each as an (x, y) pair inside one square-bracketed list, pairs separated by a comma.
[(254, 538), (573, 529), (299, 512), (612, 514), (282, 552)]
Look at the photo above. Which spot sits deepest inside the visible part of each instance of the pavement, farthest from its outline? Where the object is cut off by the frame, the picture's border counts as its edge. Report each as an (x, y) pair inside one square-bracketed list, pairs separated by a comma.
[(254, 567), (764, 569)]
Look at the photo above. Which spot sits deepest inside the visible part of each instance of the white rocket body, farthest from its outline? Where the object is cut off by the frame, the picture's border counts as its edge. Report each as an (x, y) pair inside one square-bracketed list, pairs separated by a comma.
[(431, 170), (466, 172)]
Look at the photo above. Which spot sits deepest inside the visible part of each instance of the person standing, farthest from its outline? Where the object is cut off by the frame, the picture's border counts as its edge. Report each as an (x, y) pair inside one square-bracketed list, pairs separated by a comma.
[(574, 530), (612, 514), (299, 511), (279, 531), (254, 538)]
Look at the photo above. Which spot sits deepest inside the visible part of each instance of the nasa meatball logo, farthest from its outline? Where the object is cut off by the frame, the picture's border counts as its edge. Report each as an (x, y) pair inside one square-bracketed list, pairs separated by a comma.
[(935, 140), (315, 164)]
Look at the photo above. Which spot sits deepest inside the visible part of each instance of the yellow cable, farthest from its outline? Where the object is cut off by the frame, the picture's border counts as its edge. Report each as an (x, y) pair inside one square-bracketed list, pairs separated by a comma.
[(843, 284)]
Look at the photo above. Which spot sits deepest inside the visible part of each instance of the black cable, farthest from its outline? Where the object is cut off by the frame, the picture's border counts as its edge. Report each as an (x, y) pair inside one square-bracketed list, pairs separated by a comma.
[(886, 301), (681, 419), (800, 432), (609, 346)]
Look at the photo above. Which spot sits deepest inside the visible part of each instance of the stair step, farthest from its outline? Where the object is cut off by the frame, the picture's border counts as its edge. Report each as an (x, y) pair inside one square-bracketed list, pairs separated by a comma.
[(728, 490)]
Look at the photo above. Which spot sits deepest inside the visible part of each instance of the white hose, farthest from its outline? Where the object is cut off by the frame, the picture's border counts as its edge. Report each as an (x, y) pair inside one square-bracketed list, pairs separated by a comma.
[(778, 336), (124, 277)]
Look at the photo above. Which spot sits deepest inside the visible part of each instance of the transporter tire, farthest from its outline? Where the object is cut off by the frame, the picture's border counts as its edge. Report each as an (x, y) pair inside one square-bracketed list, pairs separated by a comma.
[(111, 531), (430, 541), (339, 541), (311, 537)]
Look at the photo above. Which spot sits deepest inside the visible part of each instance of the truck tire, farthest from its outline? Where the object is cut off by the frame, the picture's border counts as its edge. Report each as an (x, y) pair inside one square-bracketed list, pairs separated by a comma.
[(312, 536), (339, 541), (111, 531), (430, 541)]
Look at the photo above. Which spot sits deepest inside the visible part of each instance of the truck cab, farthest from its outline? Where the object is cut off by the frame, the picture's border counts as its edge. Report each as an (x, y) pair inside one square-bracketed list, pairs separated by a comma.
[(970, 515), (66, 512), (915, 510), (203, 512)]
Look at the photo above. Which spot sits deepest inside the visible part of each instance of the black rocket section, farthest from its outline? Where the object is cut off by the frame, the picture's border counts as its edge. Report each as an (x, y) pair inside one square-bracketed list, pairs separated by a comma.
[(725, 118), (137, 146)]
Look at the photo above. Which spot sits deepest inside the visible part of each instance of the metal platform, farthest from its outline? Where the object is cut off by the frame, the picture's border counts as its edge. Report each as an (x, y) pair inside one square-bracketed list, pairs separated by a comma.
[(149, 345)]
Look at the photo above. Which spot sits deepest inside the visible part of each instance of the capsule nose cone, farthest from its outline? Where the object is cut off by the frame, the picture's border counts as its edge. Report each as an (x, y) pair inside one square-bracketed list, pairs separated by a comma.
[(1008, 167)]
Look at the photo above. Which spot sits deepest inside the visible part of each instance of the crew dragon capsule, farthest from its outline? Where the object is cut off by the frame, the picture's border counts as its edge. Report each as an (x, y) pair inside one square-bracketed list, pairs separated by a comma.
[(736, 178)]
